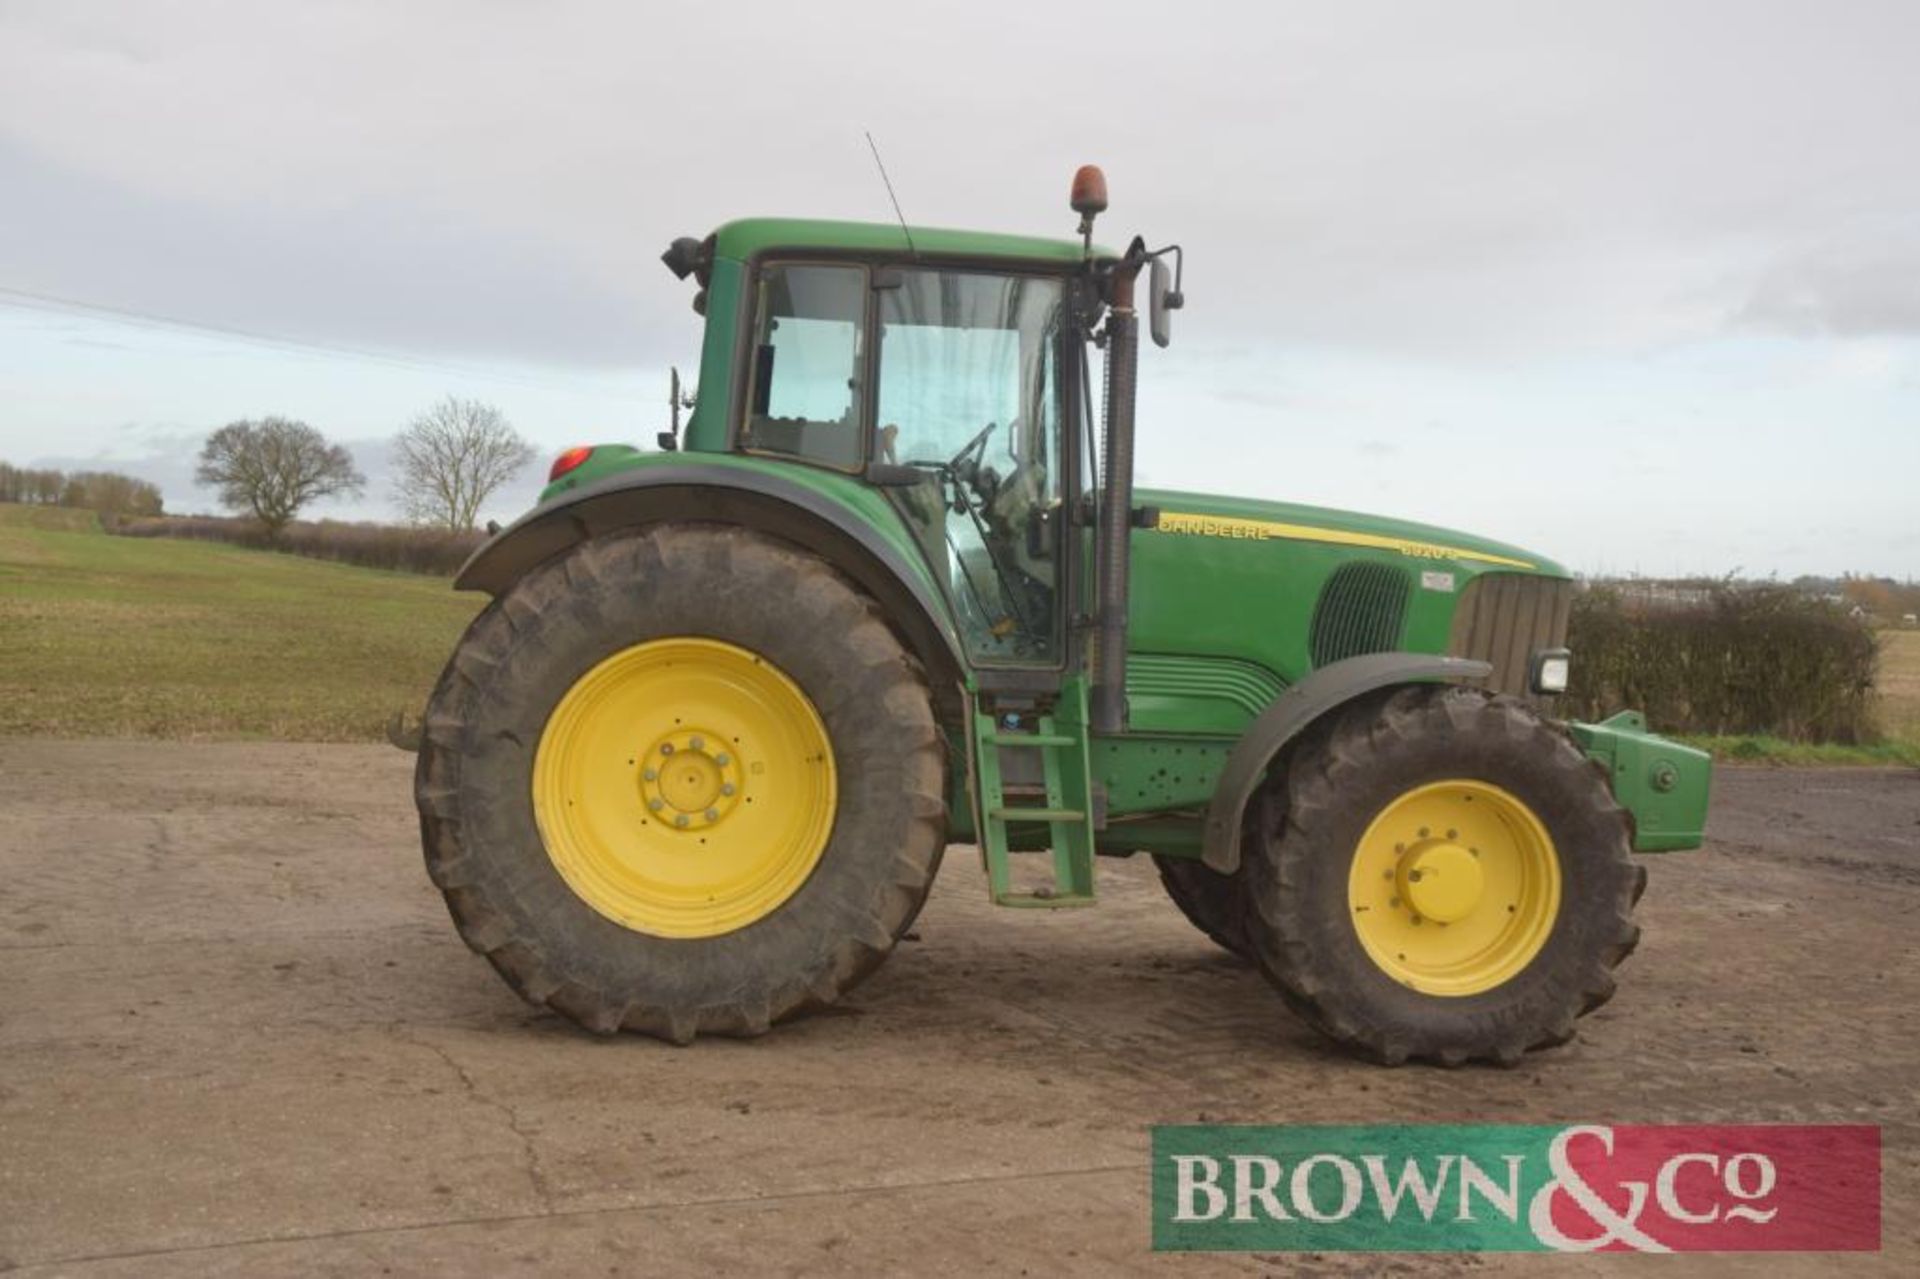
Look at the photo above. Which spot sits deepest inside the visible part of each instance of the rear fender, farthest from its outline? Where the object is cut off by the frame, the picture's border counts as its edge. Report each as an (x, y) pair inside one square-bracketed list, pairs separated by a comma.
[(705, 492)]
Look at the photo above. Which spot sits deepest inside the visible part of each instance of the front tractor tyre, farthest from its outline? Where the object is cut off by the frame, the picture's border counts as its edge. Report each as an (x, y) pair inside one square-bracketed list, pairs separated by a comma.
[(682, 779), (1440, 874), (1210, 901)]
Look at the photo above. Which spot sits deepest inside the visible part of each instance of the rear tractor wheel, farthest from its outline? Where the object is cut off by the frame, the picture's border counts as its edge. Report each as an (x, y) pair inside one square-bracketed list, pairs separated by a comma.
[(1212, 902), (1441, 875), (682, 779)]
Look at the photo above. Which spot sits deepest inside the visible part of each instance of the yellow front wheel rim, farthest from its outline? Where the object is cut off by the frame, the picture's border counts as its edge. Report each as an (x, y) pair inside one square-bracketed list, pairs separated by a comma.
[(1454, 888), (684, 787)]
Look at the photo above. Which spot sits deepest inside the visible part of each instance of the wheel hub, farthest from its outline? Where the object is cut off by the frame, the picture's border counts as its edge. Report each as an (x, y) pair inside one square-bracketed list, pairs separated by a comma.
[(1442, 881), (690, 781)]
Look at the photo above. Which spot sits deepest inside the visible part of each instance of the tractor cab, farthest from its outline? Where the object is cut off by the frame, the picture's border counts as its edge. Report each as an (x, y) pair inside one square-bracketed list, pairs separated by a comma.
[(949, 371), (945, 387)]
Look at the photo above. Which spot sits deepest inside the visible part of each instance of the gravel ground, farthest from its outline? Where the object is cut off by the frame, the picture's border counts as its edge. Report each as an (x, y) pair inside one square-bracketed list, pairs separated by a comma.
[(238, 1036)]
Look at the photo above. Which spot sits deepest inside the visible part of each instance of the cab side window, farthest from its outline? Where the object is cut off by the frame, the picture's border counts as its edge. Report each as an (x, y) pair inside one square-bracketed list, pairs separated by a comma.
[(809, 350)]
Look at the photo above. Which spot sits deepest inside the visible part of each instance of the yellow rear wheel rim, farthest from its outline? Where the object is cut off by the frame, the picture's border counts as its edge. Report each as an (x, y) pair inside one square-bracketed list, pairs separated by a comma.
[(684, 787), (1454, 888)]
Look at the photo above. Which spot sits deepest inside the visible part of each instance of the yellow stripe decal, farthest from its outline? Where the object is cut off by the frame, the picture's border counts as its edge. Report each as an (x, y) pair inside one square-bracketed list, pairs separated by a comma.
[(1263, 530)]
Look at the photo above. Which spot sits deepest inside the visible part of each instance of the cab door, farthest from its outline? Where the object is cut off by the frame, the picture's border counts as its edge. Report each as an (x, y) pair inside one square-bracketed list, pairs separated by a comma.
[(969, 393)]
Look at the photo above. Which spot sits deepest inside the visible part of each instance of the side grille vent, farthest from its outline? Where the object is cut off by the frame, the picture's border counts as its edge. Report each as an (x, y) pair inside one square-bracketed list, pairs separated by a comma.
[(1362, 609)]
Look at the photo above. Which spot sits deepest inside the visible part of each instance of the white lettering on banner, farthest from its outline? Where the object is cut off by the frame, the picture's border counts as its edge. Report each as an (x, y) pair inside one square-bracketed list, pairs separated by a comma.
[(1505, 1202), (1613, 1225), (1667, 1195), (1246, 1189), (1186, 1186), (1388, 1193), (1736, 1186), (1350, 1188)]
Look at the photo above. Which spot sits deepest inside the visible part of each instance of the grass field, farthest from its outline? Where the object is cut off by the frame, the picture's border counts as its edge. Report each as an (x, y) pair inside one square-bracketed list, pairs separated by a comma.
[(1900, 684), (114, 636)]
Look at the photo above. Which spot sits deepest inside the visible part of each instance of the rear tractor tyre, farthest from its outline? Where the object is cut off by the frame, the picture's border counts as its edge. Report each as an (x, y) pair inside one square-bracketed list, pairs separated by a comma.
[(1441, 875), (682, 779), (1212, 902)]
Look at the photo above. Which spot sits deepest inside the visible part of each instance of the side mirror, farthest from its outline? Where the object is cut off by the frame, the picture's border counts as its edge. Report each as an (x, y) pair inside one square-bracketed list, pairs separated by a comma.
[(1163, 292), (1158, 319)]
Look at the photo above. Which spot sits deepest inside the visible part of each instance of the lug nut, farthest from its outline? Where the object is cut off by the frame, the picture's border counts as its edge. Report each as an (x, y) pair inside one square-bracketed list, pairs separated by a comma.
[(650, 774), (726, 788), (656, 804), (681, 820), (697, 742), (721, 759), (667, 749), (713, 814)]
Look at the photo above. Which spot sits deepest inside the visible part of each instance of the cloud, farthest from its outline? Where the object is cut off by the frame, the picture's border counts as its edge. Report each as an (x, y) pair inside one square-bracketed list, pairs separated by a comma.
[(1865, 285), (394, 277), (1475, 178)]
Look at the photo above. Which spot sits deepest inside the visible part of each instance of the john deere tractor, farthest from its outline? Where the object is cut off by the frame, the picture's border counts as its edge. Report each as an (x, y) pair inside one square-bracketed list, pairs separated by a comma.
[(893, 588)]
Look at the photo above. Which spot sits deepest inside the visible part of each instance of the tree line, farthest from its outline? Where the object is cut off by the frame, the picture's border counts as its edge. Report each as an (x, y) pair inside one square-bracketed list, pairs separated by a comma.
[(448, 461), (108, 492)]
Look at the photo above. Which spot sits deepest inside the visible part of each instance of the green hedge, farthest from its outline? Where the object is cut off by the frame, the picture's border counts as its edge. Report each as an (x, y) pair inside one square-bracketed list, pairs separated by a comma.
[(1739, 659), (404, 549)]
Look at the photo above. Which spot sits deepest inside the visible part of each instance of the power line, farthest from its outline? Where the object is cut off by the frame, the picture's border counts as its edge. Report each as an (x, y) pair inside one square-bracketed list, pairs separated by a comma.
[(52, 303)]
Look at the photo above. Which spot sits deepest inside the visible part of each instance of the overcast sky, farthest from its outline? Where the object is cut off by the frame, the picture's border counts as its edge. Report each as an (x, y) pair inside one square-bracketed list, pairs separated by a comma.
[(1633, 284)]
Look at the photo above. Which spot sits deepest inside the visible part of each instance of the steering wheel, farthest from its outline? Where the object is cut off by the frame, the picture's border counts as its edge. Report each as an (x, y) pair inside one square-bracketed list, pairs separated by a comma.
[(965, 464), (964, 469)]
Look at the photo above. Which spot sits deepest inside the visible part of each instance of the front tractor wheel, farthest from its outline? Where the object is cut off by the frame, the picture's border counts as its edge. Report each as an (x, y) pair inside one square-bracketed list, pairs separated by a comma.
[(1440, 874), (682, 779)]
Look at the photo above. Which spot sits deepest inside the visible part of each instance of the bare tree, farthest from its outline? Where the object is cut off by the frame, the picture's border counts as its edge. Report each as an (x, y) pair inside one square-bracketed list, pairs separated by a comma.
[(452, 458), (273, 467)]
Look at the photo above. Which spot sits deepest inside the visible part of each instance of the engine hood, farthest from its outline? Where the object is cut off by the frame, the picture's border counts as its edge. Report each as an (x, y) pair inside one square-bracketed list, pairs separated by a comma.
[(1210, 515)]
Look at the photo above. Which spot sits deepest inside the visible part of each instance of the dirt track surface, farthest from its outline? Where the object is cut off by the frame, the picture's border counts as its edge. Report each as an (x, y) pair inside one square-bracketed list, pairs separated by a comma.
[(238, 1035)]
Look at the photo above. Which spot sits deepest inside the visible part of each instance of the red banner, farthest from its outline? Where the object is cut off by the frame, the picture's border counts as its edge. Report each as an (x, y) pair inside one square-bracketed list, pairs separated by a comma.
[(1715, 1188)]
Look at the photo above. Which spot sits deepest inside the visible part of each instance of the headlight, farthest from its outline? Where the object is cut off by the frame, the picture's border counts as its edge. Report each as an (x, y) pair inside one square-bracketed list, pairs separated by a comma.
[(1550, 668)]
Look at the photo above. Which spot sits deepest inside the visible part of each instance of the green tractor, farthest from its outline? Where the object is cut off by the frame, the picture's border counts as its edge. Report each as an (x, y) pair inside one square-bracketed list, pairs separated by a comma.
[(694, 767)]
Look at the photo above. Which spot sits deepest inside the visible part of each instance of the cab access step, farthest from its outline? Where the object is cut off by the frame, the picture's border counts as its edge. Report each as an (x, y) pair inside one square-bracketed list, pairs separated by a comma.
[(1005, 731)]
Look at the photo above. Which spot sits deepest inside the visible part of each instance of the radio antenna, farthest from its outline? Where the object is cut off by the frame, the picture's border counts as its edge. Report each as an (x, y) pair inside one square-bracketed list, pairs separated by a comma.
[(881, 165)]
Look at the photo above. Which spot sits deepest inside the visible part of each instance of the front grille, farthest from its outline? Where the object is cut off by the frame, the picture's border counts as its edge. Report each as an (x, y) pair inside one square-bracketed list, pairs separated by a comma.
[(1503, 618), (1361, 610)]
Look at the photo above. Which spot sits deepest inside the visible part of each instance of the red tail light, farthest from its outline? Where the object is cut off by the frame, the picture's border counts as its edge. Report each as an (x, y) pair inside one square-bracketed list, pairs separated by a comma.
[(568, 461)]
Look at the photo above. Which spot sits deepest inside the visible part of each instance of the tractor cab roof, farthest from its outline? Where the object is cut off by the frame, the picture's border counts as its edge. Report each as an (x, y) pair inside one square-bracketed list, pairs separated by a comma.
[(751, 236)]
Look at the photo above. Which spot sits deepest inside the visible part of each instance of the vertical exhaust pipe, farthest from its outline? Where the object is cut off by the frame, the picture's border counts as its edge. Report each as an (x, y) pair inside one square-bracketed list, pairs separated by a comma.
[(1108, 711)]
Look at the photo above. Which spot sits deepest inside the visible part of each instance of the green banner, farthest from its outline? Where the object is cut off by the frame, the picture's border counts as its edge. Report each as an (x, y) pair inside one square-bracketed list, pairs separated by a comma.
[(1425, 1188)]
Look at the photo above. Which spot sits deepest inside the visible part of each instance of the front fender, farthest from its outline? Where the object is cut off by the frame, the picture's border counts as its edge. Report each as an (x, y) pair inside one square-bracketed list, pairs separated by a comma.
[(1331, 686)]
